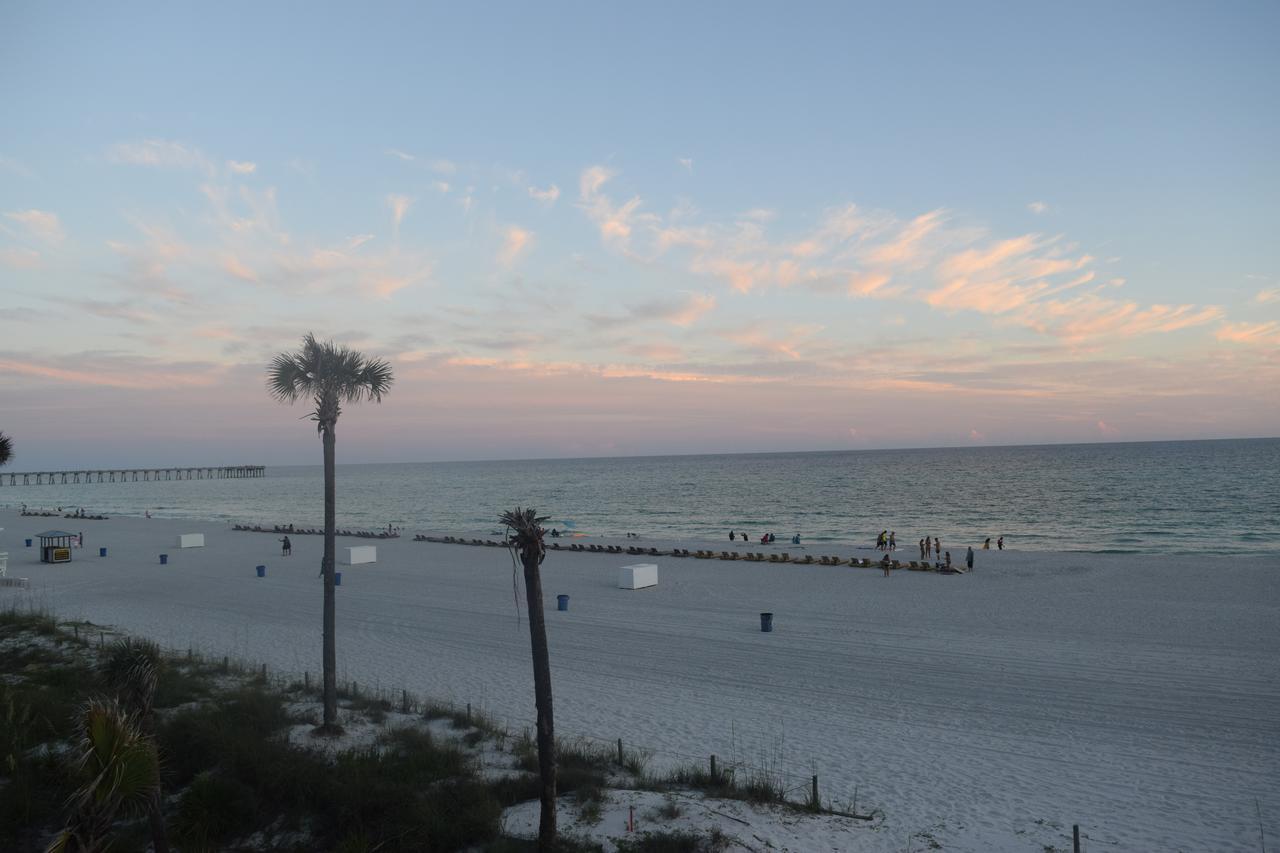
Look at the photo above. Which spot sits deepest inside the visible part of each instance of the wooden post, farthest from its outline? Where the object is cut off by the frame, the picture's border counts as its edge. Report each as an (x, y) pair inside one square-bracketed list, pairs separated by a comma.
[(620, 762), (76, 629), (306, 680), (404, 701), (264, 672), (468, 713), (355, 690), (101, 640), (226, 664), (1075, 837), (816, 806), (713, 768)]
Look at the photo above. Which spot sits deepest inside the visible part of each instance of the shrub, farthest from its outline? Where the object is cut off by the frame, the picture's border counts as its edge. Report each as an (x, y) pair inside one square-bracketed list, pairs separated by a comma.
[(214, 808)]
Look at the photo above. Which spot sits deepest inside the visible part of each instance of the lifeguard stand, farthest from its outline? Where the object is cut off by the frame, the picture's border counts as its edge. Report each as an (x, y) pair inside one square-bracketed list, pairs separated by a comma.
[(55, 546)]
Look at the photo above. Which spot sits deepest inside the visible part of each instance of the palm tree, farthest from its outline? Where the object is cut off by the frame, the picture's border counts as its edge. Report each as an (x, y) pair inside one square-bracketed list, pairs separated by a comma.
[(118, 772), (526, 541), (132, 672), (6, 449), (330, 375)]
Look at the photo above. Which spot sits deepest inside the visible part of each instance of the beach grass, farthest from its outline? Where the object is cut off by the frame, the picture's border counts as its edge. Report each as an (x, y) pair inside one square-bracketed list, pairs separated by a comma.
[(223, 736)]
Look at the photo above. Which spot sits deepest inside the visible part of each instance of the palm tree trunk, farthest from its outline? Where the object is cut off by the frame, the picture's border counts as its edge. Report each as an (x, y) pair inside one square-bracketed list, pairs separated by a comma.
[(542, 698), (330, 663)]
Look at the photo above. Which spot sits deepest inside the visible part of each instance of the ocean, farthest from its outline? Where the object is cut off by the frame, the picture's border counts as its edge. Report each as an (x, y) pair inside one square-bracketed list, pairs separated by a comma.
[(1177, 497)]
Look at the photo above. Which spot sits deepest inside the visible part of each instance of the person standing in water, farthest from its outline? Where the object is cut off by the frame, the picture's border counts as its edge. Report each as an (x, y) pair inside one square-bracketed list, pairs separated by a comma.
[(968, 558), (1000, 543), (928, 547), (937, 546), (922, 549), (893, 540), (286, 547), (986, 546)]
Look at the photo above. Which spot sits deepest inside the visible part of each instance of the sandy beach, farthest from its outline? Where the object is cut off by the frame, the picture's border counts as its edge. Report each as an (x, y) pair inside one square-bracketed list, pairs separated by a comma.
[(1134, 695)]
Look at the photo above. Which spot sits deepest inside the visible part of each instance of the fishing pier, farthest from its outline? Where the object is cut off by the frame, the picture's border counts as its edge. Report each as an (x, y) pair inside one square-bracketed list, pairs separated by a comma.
[(131, 475)]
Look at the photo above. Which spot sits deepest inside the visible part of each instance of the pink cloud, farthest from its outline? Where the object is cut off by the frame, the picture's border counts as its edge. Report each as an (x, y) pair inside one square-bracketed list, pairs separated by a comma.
[(1250, 333)]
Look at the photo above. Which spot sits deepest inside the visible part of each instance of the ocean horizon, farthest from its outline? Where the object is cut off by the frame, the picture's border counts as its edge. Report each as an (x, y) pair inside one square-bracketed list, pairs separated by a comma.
[(1211, 496)]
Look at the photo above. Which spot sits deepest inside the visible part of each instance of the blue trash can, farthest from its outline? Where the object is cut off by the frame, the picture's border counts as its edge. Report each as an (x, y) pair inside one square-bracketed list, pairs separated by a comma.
[(28, 543), (102, 552), (562, 602), (262, 571), (164, 559), (766, 622), (337, 578)]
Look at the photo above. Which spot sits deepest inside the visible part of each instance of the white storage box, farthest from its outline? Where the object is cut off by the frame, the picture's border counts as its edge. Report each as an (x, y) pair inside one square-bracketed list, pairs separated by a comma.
[(190, 540), (360, 554), (638, 576)]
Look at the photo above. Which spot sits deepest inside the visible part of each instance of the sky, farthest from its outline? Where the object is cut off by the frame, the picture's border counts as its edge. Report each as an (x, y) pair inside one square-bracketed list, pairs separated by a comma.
[(617, 229)]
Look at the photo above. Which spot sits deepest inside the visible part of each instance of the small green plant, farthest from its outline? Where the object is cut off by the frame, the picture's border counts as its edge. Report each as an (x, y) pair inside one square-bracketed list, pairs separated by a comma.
[(670, 809), (673, 842)]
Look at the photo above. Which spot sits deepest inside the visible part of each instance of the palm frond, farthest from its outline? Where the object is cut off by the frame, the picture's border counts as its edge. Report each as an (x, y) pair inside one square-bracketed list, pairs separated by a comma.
[(132, 672), (330, 374), (526, 527), (118, 772), (6, 449)]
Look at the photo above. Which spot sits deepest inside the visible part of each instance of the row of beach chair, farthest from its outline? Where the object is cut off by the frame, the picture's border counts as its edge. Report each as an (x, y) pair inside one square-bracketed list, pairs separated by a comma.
[(751, 557)]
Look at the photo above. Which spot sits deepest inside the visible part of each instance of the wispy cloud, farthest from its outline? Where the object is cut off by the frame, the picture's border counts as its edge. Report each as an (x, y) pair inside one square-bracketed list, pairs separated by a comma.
[(241, 167), (1264, 296), (1038, 207), (687, 163), (401, 155), (19, 258), (38, 225), (237, 268), (160, 153), (516, 241), (1250, 333), (548, 196), (399, 205), (112, 371), (614, 221)]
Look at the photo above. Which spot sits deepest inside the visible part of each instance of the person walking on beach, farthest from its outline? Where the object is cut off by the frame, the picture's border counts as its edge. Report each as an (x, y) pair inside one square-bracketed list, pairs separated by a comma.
[(948, 561), (286, 547), (968, 558), (928, 547), (986, 546), (1000, 543), (893, 541), (937, 546), (922, 549), (886, 564)]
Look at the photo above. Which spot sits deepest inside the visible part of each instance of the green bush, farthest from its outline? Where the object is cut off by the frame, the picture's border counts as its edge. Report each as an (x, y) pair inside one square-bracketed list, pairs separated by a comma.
[(214, 808)]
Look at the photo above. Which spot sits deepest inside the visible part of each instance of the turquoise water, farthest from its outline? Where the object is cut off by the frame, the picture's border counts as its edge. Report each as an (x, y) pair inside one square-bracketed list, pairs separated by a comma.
[(1212, 497)]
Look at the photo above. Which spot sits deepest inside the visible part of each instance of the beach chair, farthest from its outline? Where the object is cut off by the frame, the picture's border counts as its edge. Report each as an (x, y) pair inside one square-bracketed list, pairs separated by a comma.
[(773, 558), (784, 557), (653, 552)]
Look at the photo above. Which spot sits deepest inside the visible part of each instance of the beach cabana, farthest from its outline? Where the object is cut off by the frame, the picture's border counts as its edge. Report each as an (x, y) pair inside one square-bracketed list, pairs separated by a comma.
[(55, 546)]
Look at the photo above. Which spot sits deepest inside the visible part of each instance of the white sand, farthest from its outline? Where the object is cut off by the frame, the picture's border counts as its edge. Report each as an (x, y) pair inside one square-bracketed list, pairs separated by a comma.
[(1136, 696)]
